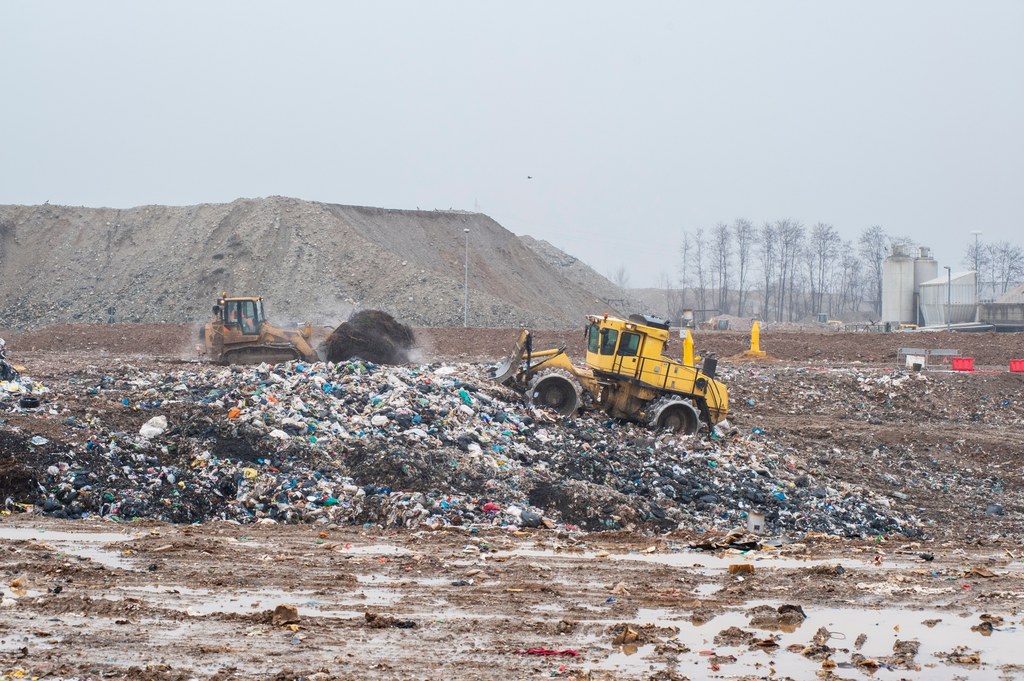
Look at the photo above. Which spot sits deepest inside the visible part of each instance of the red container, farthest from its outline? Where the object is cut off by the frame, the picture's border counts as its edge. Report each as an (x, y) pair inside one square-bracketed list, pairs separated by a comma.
[(1017, 366), (963, 364)]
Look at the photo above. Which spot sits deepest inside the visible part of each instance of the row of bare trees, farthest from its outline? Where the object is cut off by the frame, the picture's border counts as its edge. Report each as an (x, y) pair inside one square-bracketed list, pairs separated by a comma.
[(999, 265), (786, 271), (781, 270)]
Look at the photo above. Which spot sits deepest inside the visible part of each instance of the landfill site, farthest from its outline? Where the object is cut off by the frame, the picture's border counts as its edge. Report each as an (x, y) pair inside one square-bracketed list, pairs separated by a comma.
[(853, 510)]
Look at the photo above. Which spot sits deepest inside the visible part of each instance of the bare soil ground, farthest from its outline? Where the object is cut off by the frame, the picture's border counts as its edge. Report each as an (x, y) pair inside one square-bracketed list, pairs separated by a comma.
[(94, 599)]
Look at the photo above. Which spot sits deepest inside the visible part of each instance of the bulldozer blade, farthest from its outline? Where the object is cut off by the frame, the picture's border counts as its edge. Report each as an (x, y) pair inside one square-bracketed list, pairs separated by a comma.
[(507, 369)]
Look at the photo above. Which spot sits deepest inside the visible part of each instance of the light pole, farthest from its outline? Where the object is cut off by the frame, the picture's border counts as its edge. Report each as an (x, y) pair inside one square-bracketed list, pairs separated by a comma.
[(465, 286), (976, 233), (977, 261), (949, 298)]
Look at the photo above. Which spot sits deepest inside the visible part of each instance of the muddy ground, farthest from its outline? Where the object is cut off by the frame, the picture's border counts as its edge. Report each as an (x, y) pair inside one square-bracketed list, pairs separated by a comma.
[(92, 599)]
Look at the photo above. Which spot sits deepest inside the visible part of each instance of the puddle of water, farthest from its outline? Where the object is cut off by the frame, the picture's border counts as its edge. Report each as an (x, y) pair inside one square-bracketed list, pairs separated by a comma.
[(627, 657), (718, 562), (711, 562), (412, 581), (91, 545), (707, 589), (547, 607), (205, 602), (25, 533), (882, 628), (375, 550), (9, 595), (98, 554)]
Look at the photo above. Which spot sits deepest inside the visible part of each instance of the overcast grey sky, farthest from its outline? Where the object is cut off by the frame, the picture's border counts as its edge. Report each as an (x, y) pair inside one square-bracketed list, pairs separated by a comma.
[(636, 120)]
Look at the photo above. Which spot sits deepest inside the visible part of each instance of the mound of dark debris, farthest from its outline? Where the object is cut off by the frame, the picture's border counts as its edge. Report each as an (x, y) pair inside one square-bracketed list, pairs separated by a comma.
[(371, 335)]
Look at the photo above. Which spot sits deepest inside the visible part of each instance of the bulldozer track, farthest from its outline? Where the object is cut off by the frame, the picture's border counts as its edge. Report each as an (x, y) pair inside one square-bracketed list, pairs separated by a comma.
[(259, 355)]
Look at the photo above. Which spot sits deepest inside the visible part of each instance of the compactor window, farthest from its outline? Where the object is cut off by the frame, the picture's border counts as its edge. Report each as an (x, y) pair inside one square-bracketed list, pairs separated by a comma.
[(630, 344), (593, 337), (608, 339)]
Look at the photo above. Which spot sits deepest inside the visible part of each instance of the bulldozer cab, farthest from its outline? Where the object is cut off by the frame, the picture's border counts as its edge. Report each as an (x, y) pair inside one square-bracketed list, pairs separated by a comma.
[(616, 346), (243, 314)]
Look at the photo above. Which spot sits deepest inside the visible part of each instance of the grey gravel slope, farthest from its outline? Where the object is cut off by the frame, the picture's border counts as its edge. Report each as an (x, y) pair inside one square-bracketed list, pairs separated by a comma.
[(309, 260)]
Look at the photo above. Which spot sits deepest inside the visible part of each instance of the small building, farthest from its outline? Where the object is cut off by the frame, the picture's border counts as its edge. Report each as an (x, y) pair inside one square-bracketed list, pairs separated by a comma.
[(950, 300)]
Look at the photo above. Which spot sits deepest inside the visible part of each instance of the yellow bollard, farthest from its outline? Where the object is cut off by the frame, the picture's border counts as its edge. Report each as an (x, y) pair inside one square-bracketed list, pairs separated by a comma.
[(755, 341), (688, 349)]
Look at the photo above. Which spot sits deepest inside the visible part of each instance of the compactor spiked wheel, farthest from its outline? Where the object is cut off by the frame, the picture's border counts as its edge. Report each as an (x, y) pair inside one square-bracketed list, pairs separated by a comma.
[(674, 414), (555, 389)]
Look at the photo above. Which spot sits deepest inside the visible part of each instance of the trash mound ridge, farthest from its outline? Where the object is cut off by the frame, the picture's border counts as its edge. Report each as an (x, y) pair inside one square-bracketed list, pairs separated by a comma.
[(424, 446)]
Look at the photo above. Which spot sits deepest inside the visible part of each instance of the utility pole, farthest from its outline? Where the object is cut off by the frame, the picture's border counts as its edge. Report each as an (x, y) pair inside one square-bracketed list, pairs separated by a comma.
[(949, 291), (465, 286), (977, 261)]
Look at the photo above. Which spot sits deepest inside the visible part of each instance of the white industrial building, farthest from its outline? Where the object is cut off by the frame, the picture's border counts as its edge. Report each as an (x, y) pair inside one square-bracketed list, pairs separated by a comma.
[(952, 299), (913, 292)]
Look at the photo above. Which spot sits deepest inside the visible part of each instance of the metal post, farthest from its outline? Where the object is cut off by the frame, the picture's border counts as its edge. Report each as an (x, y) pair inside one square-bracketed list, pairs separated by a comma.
[(949, 291), (977, 261), (465, 286)]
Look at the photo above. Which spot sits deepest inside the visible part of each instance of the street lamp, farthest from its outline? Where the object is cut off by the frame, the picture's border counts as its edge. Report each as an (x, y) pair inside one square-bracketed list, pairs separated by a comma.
[(465, 286), (949, 297), (977, 261)]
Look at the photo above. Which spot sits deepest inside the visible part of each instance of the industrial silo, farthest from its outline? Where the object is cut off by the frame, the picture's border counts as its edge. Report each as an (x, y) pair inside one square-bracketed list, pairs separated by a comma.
[(898, 288), (926, 268)]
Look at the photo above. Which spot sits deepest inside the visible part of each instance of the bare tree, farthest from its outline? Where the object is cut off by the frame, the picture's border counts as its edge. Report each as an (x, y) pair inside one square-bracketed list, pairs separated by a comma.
[(720, 255), (685, 270), (824, 248), (975, 257), (1007, 266), (768, 256), (620, 277), (790, 234), (701, 270), (873, 245), (744, 231), (849, 279), (672, 306)]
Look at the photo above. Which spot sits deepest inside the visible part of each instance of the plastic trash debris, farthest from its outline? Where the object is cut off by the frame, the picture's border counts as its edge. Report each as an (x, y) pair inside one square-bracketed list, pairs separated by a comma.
[(153, 427)]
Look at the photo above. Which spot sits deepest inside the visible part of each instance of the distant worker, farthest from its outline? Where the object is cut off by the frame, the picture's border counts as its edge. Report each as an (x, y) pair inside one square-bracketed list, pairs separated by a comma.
[(248, 321)]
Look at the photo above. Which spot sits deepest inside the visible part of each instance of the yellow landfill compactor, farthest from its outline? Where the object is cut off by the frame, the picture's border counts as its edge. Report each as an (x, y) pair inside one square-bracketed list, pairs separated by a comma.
[(626, 375), (239, 333)]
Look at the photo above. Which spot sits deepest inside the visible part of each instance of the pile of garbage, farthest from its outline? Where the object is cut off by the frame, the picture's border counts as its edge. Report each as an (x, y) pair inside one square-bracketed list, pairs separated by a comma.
[(7, 371), (400, 446), (373, 335)]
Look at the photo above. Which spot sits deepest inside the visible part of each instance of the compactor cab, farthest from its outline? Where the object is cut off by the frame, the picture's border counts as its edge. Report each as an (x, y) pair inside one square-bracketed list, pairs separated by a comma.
[(240, 334), (626, 374)]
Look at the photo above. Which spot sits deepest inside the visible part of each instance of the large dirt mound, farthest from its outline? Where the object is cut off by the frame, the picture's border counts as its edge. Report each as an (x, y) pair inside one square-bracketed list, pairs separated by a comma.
[(371, 335), (310, 261)]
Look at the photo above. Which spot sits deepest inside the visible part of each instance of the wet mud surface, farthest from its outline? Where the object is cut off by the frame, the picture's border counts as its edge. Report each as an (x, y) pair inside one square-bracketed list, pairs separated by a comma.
[(936, 597), (146, 600)]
